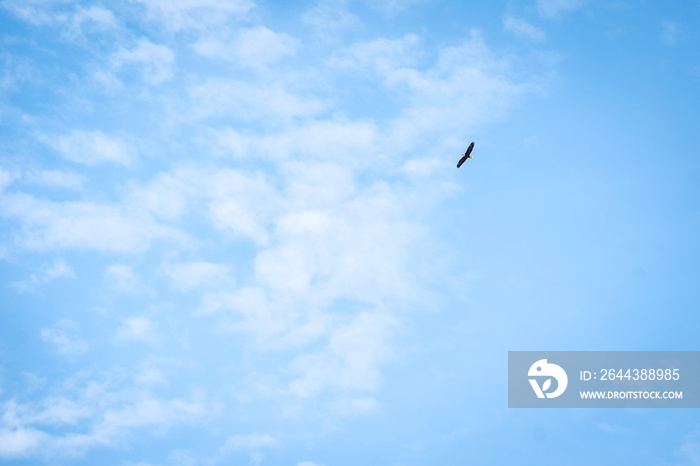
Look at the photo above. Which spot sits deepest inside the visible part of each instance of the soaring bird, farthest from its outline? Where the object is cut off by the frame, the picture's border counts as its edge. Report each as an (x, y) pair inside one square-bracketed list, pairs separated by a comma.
[(467, 155)]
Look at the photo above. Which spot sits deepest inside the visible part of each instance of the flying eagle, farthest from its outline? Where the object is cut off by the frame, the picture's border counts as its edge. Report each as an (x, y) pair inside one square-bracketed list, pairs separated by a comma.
[(467, 155)]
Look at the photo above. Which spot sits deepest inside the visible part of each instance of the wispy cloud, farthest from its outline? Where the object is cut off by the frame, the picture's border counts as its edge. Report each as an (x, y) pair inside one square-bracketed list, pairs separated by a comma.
[(64, 344), (552, 9), (151, 411), (155, 60), (279, 224), (94, 14), (392, 6), (6, 178), (670, 32), (244, 101), (330, 253), (466, 86), (20, 442), (187, 276), (180, 14), (382, 55), (330, 17), (242, 442), (86, 413), (138, 329), (92, 148), (55, 178), (121, 277), (252, 47), (82, 225), (44, 275), (74, 18), (688, 453), (351, 359), (523, 29)]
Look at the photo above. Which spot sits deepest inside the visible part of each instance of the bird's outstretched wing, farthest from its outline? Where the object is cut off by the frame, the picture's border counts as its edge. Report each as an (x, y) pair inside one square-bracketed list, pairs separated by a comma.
[(467, 155)]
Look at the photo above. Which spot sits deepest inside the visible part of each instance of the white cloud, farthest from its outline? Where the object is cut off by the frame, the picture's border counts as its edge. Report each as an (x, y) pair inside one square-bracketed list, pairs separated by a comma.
[(65, 345), (355, 249), (332, 226), (261, 46), (95, 17), (339, 140), (522, 29), (688, 452), (670, 31), (307, 463), (330, 18), (350, 360), (364, 404), (242, 205), (330, 242), (179, 14), (325, 240), (90, 414), (253, 47), (46, 274), (15, 71), (32, 12), (423, 167), (180, 457), (92, 148), (391, 7), (6, 178), (280, 324), (156, 60), (383, 55), (349, 406), (336, 253), (468, 85), (150, 376), (164, 196), (554, 8), (121, 277), (138, 329), (152, 411), (241, 442), (57, 270), (55, 178), (216, 97), (106, 80), (228, 141), (96, 13), (187, 276), (20, 442), (320, 185), (82, 225), (57, 411)]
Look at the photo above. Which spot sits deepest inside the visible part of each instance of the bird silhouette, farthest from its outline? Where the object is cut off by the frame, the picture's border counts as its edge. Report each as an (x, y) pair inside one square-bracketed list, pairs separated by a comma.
[(467, 155)]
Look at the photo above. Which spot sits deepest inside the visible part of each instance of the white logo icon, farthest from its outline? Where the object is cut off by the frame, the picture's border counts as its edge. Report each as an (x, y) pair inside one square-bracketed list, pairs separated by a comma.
[(543, 369)]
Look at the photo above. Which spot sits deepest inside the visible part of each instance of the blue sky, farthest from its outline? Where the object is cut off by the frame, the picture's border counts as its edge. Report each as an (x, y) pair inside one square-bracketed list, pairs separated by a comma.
[(232, 232)]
